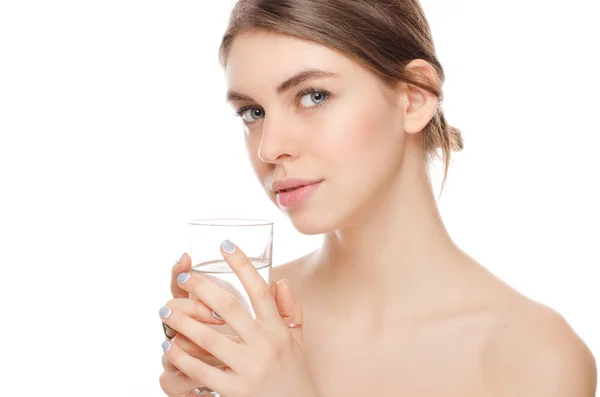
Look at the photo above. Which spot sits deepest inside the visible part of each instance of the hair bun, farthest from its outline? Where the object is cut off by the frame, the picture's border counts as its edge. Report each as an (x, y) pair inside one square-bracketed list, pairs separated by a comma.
[(456, 139)]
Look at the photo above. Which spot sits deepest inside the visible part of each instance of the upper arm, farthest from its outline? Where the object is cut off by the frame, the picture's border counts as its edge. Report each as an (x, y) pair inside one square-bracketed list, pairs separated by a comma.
[(563, 367), (541, 356)]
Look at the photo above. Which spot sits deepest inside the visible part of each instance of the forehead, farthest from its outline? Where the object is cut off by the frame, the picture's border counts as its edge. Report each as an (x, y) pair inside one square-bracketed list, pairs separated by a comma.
[(257, 58)]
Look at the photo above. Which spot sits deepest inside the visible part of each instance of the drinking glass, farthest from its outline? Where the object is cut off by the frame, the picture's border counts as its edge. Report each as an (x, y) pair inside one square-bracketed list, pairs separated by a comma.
[(253, 236)]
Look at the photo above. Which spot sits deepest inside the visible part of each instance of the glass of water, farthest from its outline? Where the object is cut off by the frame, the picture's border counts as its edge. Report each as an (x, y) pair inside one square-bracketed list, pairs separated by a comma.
[(253, 236)]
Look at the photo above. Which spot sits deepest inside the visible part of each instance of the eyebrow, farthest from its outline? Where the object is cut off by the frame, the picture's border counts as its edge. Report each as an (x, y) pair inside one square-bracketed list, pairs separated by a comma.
[(290, 83)]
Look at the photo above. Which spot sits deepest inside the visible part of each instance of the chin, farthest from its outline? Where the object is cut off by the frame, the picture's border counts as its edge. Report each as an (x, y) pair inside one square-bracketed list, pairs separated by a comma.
[(309, 228), (311, 221)]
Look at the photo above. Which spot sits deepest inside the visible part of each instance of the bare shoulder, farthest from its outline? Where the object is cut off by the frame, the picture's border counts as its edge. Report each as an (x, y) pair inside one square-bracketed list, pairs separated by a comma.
[(533, 351)]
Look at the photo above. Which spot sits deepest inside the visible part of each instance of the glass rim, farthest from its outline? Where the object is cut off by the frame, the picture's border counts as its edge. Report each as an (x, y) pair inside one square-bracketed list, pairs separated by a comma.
[(230, 222)]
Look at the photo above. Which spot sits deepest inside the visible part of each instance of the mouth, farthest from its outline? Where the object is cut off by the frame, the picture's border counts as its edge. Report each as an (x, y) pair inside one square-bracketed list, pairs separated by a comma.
[(291, 184), (294, 197), (292, 188)]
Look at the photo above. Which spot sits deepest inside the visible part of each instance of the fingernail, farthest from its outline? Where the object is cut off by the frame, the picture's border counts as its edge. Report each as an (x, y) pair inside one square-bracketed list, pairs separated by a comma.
[(183, 277), (180, 259), (164, 312), (228, 246), (165, 346), (215, 315)]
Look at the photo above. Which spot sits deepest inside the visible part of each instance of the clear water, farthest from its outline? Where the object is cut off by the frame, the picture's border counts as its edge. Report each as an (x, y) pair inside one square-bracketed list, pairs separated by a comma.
[(219, 272)]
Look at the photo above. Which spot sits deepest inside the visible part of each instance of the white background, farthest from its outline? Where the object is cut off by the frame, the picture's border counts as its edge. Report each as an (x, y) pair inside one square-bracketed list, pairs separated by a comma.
[(115, 132)]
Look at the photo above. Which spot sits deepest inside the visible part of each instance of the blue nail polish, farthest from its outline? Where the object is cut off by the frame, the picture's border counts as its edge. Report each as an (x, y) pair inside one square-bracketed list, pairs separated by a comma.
[(180, 259), (215, 315), (164, 312), (165, 346), (228, 246), (183, 277)]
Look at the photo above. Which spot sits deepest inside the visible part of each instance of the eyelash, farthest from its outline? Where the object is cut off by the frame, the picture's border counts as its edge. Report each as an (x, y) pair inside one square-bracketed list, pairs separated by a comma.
[(300, 94)]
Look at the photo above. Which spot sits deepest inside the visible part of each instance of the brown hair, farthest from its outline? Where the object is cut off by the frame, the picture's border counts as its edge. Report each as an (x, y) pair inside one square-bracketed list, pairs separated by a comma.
[(382, 35)]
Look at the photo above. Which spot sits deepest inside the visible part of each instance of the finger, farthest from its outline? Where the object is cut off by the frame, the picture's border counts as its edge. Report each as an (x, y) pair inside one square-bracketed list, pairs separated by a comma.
[(196, 309), (224, 304), (182, 265), (230, 353), (192, 349), (197, 351), (285, 301), (201, 373), (290, 310), (176, 383), (274, 290), (168, 366), (189, 349), (258, 290)]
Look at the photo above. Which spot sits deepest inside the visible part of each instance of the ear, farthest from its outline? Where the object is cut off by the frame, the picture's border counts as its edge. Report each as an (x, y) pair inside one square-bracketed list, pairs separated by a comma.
[(419, 106)]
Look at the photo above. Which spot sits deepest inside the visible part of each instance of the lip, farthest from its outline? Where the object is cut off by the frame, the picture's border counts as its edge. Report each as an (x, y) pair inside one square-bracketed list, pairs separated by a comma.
[(297, 196), (291, 183)]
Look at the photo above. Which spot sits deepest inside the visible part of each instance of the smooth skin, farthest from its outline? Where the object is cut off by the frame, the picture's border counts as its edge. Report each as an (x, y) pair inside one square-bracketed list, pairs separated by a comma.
[(267, 359), (392, 306)]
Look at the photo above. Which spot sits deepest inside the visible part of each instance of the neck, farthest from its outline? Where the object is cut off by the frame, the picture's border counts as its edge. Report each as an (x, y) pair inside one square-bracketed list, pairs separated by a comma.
[(394, 255)]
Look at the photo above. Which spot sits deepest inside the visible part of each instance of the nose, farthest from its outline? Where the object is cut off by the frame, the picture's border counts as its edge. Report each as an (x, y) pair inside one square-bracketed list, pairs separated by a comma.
[(277, 142)]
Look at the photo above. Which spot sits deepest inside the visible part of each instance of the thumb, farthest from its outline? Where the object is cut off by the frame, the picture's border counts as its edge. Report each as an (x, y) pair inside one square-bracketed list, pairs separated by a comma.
[(289, 309)]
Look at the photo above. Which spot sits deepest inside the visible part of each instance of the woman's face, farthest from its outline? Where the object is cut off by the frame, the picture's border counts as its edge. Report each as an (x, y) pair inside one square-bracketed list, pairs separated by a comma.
[(344, 132)]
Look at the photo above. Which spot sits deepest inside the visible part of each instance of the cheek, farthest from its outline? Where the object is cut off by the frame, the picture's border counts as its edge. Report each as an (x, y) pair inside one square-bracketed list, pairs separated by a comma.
[(363, 136), (363, 154)]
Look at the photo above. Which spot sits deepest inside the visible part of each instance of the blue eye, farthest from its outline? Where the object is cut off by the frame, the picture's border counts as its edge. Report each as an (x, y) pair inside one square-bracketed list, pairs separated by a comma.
[(315, 97), (249, 114)]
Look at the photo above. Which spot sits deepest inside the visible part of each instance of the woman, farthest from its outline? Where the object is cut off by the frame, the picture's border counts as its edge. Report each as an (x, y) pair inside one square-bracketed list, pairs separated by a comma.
[(346, 97)]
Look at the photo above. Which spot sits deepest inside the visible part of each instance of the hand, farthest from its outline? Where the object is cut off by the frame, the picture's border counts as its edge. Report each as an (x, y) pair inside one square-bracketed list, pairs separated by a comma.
[(268, 359), (172, 381)]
